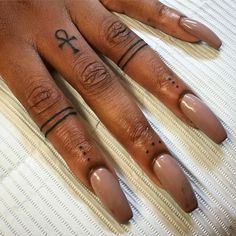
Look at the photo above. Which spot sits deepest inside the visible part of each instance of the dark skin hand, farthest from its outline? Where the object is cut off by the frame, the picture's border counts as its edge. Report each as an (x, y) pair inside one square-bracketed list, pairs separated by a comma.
[(57, 33)]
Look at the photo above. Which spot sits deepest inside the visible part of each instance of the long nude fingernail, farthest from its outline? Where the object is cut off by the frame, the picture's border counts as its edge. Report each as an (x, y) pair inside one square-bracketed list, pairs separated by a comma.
[(203, 117), (108, 189), (200, 31), (175, 182)]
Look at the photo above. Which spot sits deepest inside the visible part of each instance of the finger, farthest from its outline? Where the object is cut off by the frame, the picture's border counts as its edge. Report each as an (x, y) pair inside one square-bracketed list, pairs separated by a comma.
[(168, 20), (32, 85), (127, 50), (101, 90)]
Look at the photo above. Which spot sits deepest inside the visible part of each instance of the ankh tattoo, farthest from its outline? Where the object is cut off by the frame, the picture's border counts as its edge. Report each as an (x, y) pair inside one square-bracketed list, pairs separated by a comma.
[(62, 36)]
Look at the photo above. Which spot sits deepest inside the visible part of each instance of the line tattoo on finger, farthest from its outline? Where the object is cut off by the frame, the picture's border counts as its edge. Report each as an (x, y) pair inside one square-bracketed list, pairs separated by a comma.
[(56, 119), (64, 38)]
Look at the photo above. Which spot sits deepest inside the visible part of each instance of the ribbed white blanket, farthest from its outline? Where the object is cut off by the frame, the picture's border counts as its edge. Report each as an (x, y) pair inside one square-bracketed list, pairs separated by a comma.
[(39, 196)]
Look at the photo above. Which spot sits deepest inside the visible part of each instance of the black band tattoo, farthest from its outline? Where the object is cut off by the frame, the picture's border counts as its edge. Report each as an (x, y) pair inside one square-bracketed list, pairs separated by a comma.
[(130, 47), (56, 119), (59, 121), (62, 36), (54, 116), (130, 52)]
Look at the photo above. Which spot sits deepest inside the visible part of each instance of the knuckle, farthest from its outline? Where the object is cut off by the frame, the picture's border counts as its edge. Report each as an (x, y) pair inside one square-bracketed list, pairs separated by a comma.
[(76, 144), (42, 96), (161, 9), (116, 33), (140, 133), (95, 77), (162, 80)]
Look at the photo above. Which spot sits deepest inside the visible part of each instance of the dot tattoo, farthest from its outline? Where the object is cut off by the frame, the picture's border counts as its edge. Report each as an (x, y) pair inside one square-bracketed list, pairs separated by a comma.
[(64, 38)]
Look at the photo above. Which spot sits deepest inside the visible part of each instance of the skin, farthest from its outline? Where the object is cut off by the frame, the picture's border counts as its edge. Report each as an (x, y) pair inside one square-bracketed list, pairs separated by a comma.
[(39, 33)]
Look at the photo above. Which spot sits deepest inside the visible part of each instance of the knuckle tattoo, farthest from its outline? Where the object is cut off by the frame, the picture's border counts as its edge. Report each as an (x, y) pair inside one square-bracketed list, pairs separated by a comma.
[(116, 32)]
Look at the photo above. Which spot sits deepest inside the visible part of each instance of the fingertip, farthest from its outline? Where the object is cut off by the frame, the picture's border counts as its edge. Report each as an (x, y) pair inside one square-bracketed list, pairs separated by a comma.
[(201, 115), (200, 31), (174, 181), (108, 189)]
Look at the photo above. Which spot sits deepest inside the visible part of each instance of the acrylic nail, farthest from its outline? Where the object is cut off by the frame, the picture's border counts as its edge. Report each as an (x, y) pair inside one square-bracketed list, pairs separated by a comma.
[(203, 117), (108, 189), (200, 31), (175, 182)]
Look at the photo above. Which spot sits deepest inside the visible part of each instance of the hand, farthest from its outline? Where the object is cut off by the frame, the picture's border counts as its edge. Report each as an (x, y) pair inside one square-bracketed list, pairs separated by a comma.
[(57, 33)]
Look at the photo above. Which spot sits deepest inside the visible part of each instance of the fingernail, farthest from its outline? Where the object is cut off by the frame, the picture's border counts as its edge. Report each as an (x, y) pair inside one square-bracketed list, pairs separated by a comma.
[(203, 117), (175, 182), (108, 189), (200, 31)]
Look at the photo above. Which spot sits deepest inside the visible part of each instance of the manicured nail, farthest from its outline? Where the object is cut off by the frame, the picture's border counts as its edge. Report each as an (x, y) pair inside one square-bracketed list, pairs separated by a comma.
[(108, 189), (203, 117), (200, 31), (175, 182)]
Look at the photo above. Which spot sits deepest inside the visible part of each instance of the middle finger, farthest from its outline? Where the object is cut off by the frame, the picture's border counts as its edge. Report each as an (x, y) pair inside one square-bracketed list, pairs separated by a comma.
[(68, 52)]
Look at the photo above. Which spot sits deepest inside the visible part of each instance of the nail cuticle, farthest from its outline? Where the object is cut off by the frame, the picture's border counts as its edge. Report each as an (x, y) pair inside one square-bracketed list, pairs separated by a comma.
[(183, 94), (158, 156), (95, 168)]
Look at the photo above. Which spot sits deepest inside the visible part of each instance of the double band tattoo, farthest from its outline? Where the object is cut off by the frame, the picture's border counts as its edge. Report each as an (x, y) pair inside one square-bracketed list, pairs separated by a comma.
[(62, 36), (56, 119), (130, 52)]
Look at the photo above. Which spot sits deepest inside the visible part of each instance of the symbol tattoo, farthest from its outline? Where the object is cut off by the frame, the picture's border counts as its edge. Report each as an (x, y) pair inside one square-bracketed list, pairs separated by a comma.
[(62, 36)]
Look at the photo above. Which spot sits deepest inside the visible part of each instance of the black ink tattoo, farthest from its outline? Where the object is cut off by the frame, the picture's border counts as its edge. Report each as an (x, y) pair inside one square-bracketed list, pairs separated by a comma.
[(59, 121), (64, 38), (130, 52), (54, 116), (56, 119)]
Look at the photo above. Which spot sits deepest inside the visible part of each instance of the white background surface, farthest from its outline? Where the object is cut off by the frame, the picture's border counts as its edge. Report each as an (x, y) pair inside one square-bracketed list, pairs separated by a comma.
[(39, 196)]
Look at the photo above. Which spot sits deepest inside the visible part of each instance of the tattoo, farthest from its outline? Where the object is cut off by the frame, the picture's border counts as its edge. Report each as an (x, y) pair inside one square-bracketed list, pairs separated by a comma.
[(59, 121), (130, 52), (56, 119), (62, 36)]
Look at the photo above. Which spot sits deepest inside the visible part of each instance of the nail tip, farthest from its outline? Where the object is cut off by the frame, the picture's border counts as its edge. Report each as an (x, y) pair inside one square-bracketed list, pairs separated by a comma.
[(217, 44), (190, 203), (221, 139), (126, 219), (191, 208)]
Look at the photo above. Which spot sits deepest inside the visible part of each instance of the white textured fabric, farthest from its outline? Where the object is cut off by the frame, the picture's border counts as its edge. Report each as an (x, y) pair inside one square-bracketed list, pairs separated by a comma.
[(39, 196)]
